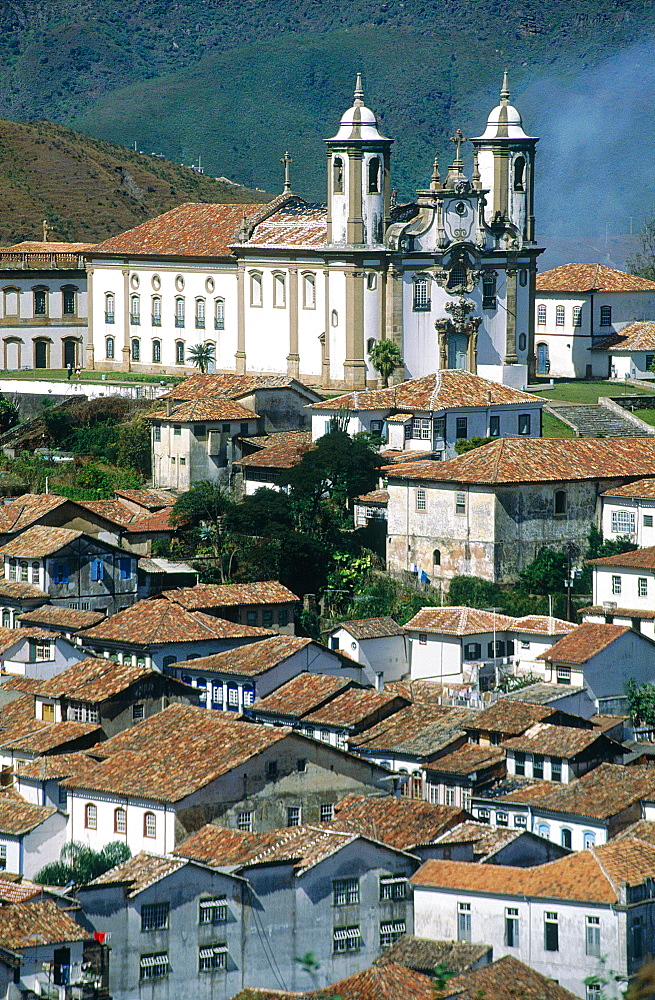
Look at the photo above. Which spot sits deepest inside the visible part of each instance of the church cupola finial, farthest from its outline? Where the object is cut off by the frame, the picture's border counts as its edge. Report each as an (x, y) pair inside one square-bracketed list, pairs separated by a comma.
[(287, 161), (359, 91), (504, 93), (435, 180)]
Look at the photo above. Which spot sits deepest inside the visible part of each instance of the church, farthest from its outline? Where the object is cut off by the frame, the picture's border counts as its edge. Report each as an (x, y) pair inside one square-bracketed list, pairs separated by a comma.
[(306, 291)]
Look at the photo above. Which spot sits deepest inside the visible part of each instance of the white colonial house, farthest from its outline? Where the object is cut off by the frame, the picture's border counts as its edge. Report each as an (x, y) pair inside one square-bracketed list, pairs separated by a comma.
[(624, 590), (627, 511), (579, 308), (379, 644)]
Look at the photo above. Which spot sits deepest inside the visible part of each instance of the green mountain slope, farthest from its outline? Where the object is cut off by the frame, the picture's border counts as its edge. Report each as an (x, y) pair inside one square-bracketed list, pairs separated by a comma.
[(89, 189)]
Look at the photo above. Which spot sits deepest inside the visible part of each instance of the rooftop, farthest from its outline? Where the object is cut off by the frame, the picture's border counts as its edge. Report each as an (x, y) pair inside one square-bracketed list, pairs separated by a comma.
[(254, 658), (18, 817), (633, 337), (283, 455), (205, 409), (468, 759), (486, 840), (304, 693), (509, 717), (295, 224), (18, 590), (66, 619), (558, 741), (39, 541), (422, 729), (150, 500), (37, 922), (639, 488), (371, 628), (591, 278), (356, 708), (538, 460), (401, 822), (583, 642), (541, 693), (457, 621), (226, 595), (234, 386), (94, 680), (541, 625), (506, 979), (384, 980), (27, 509), (423, 954), (44, 737), (637, 559), (139, 873), (379, 498)]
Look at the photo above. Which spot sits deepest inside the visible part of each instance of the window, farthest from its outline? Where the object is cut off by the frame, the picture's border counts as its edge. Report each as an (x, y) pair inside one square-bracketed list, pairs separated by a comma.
[(636, 933), (267, 618), (149, 825), (440, 428), (60, 573), (109, 348), (109, 307), (156, 433), (555, 768), (42, 650), (420, 499), (422, 638), (179, 311), (489, 291), (520, 821), (36, 572), (460, 502), (293, 816), (393, 887), (135, 310), (588, 839), (524, 424), (374, 175), (179, 352), (457, 276), (449, 795), (271, 770), (153, 966), (623, 522), (125, 567), (538, 766), (283, 617), (136, 349), (120, 821), (97, 570), (577, 315), (251, 619), (642, 586), (463, 921), (519, 170), (519, 763), (502, 819), (69, 301), (90, 816), (436, 557), (650, 358), (371, 281), (559, 316), (327, 812), (24, 572), (337, 175), (648, 520), (421, 295), (213, 911), (563, 673), (256, 299), (565, 837), (512, 927), (592, 936), (551, 931), (616, 584), (212, 957), (156, 311), (541, 315), (309, 294), (461, 427), (279, 291), (200, 314), (421, 428), (244, 820), (593, 991), (390, 931), (473, 651), (523, 341), (605, 315), (137, 713), (483, 815), (345, 891), (560, 502), (219, 314), (346, 939), (494, 427)]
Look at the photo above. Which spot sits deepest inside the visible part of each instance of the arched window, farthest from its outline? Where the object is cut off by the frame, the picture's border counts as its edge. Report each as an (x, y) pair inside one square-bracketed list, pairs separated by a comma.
[(543, 830), (335, 318), (36, 570), (559, 316), (109, 348), (577, 315), (40, 301), (201, 683), (588, 839), (6, 618), (541, 315), (279, 291), (90, 816), (135, 310), (200, 314), (13, 569), (417, 785), (370, 344), (457, 276), (156, 352), (179, 311), (309, 292), (110, 304), (219, 314), (256, 299), (24, 572), (519, 173), (168, 661), (69, 294), (156, 310), (149, 825), (179, 352), (120, 821), (136, 349), (371, 281), (11, 301), (374, 175), (566, 837), (337, 175), (436, 558), (605, 315), (421, 294)]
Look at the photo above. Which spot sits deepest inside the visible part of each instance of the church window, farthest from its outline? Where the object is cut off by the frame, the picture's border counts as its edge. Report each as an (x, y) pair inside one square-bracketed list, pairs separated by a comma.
[(436, 557), (335, 318), (136, 349), (179, 282), (519, 172), (559, 316), (489, 291), (523, 340), (200, 314), (541, 315), (279, 291), (179, 311), (560, 502), (135, 310), (374, 175), (457, 276), (605, 315), (219, 314), (109, 307), (40, 302), (370, 344), (421, 294), (156, 352), (109, 348), (371, 280), (179, 352), (156, 310), (256, 299), (337, 175), (577, 315), (309, 292), (70, 301)]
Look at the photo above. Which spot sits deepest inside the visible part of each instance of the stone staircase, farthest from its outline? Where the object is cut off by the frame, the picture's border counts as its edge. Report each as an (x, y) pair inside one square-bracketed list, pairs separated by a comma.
[(592, 420)]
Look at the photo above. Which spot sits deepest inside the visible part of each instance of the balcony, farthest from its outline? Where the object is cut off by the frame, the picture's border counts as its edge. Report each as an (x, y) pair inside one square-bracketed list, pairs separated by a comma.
[(156, 320), (200, 323), (109, 317), (179, 322), (135, 319)]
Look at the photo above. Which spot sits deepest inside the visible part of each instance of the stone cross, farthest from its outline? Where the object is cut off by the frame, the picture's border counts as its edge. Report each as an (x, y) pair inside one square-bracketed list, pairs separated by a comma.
[(458, 139)]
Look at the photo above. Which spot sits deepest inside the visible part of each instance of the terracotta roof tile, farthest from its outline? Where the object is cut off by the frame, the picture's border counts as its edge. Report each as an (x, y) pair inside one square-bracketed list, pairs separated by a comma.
[(423, 954), (190, 230), (292, 225), (638, 558), (12, 636), (457, 621), (253, 658), (204, 409), (422, 729), (384, 980), (558, 741), (37, 922), (159, 521), (445, 389), (138, 873), (506, 979), (372, 628), (52, 736), (375, 497), (509, 717), (541, 625), (356, 708), (591, 278), (17, 816), (94, 680), (112, 510), (229, 595), (600, 793), (28, 509), (53, 767), (538, 460), (217, 846), (468, 758), (278, 456), (158, 621), (633, 337), (66, 619), (542, 693), (150, 500), (583, 642), (303, 694), (17, 590), (232, 386), (643, 829), (639, 488), (400, 822), (17, 891), (486, 840), (39, 541)]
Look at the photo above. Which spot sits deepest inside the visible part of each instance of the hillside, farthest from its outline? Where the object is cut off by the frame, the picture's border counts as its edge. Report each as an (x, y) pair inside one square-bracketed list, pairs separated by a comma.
[(89, 189)]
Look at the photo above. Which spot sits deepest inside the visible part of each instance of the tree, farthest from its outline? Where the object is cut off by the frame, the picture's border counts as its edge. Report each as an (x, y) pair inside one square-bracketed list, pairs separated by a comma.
[(202, 355), (472, 592), (546, 574), (8, 415), (643, 261), (206, 503), (641, 699), (462, 445), (79, 864), (385, 357), (134, 446)]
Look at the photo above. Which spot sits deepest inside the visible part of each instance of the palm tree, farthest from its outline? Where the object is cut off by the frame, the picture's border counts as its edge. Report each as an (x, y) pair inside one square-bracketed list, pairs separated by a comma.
[(202, 356), (385, 357)]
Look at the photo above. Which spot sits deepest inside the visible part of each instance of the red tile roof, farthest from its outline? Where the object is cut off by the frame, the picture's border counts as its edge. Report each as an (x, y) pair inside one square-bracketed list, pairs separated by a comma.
[(66, 619), (52, 736), (468, 759), (538, 460), (379, 498), (486, 840), (203, 409), (292, 225), (457, 621), (18, 817), (13, 636), (138, 873), (633, 337), (253, 658), (541, 625), (27, 509), (509, 717), (37, 922), (591, 278), (637, 559), (94, 680), (601, 793), (506, 979), (583, 642), (558, 741), (228, 595), (384, 980), (639, 488), (17, 590), (277, 456), (190, 230), (371, 628), (233, 386), (356, 708), (422, 729), (400, 822), (302, 694), (150, 500), (39, 541)]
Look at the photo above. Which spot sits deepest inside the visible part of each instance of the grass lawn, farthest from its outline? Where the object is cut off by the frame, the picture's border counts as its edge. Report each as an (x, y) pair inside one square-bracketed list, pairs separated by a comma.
[(554, 428), (61, 375), (648, 416), (571, 391)]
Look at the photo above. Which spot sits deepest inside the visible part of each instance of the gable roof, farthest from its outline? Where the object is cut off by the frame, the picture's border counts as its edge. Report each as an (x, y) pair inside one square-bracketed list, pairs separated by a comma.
[(294, 224), (639, 488), (138, 873), (233, 386), (558, 741), (506, 979), (468, 759), (384, 980), (538, 460), (541, 693), (41, 737), (228, 595), (451, 388), (37, 922), (27, 509), (18, 817), (486, 840), (149, 499), (189, 230), (39, 541), (204, 409), (302, 694), (541, 625), (637, 559), (509, 717), (585, 641), (284, 455), (66, 619), (633, 337), (157, 621), (356, 707), (421, 729), (252, 659), (591, 278), (371, 628), (401, 822), (422, 954), (457, 621), (94, 679)]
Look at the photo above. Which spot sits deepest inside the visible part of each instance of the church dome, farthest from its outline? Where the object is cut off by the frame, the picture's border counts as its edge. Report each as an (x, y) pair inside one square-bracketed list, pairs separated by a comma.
[(358, 122), (504, 122)]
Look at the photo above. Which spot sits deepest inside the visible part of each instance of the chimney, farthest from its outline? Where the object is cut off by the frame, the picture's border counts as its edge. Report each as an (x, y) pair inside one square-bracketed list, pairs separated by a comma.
[(169, 406)]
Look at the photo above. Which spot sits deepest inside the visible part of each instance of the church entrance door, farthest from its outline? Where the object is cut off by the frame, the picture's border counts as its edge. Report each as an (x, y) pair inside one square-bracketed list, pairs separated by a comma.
[(458, 350)]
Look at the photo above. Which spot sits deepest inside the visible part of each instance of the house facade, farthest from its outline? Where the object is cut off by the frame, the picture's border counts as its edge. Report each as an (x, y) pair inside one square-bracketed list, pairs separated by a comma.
[(379, 644), (627, 512)]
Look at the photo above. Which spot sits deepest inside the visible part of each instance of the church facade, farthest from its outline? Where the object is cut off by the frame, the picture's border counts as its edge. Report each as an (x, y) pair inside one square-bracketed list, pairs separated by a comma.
[(307, 290)]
